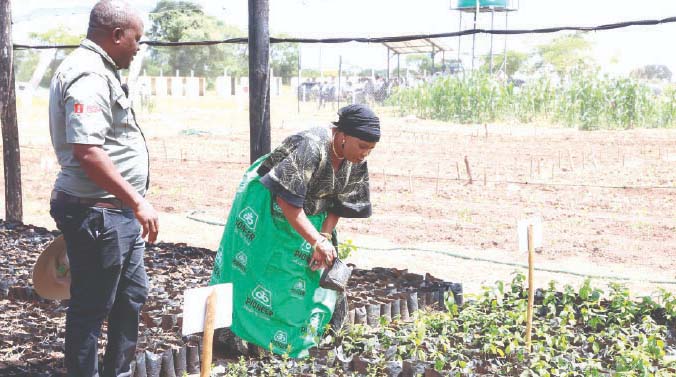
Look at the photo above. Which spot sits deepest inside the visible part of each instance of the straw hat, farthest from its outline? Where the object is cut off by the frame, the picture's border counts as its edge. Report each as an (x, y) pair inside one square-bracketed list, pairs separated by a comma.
[(51, 273)]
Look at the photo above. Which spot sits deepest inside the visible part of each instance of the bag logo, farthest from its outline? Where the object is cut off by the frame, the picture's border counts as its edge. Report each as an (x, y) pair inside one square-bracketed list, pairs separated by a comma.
[(249, 217), (260, 301), (298, 288), (280, 340), (316, 320), (262, 295), (246, 224), (313, 323), (303, 254), (240, 261), (276, 208)]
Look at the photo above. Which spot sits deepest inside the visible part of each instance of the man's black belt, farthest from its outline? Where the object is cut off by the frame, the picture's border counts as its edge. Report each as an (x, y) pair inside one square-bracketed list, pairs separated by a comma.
[(62, 197)]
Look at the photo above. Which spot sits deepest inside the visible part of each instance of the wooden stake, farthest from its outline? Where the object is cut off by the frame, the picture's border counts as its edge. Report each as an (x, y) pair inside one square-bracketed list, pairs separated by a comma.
[(559, 159), (486, 131), (531, 292), (469, 172), (457, 169), (208, 337), (552, 170), (484, 176)]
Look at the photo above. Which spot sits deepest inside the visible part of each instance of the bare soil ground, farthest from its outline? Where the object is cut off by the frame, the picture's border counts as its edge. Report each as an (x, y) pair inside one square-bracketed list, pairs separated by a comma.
[(574, 180)]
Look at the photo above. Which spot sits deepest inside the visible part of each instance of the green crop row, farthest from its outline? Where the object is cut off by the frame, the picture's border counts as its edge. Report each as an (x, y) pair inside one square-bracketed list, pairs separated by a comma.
[(584, 101)]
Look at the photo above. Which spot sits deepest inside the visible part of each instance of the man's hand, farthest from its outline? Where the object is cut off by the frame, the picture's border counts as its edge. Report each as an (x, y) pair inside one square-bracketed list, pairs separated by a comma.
[(146, 215), (100, 169)]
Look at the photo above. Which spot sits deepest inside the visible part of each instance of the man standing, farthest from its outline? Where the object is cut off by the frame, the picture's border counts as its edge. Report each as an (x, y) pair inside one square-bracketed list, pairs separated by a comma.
[(98, 199)]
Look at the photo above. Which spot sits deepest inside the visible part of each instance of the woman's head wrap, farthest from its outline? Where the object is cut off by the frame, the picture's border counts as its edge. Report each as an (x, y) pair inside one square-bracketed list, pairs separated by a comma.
[(359, 121)]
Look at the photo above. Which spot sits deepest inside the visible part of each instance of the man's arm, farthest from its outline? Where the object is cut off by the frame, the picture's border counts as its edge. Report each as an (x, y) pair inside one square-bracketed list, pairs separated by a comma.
[(101, 170)]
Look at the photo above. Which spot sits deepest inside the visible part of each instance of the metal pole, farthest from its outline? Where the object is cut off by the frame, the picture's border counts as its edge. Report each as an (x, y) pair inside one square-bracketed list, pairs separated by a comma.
[(340, 74), (259, 79), (443, 58), (505, 59), (321, 73), (388, 64), (433, 53), (459, 30), (10, 128), (299, 78), (492, 15), (476, 11), (398, 75)]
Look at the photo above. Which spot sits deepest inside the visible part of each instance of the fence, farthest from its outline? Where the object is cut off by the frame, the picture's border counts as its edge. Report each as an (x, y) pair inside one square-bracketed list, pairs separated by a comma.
[(600, 193)]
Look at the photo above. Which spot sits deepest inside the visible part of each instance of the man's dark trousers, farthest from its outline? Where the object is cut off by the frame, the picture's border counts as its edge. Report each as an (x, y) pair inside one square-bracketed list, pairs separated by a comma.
[(108, 280)]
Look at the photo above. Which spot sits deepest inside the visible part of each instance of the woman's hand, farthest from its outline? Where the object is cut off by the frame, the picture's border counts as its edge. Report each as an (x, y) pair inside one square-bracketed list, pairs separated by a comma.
[(323, 252), (323, 255)]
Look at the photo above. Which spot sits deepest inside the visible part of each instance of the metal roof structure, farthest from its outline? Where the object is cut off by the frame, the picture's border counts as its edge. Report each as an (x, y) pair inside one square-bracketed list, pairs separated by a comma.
[(427, 45)]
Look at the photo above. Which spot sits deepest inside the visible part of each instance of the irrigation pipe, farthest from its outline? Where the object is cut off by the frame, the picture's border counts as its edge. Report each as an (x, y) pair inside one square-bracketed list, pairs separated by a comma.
[(401, 38), (192, 216), (520, 265)]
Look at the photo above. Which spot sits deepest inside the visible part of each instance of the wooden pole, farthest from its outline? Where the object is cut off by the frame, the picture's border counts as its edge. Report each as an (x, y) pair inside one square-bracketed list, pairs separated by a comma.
[(469, 172), (208, 337), (531, 292), (259, 79), (10, 128)]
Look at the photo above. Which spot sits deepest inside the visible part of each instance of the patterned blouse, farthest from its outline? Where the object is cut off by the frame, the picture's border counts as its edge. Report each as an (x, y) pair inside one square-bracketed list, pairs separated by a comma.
[(300, 172)]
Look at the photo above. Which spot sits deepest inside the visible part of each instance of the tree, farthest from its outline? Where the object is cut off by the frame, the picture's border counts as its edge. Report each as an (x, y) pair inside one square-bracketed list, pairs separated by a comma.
[(183, 21), (567, 53), (27, 60), (421, 62), (652, 72), (284, 59), (515, 60)]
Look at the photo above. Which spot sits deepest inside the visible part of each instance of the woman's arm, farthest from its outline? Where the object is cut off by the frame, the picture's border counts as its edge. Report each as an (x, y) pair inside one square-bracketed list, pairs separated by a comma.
[(324, 252), (330, 223)]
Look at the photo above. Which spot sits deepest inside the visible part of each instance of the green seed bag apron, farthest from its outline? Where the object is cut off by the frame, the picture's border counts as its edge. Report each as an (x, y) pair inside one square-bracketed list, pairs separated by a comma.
[(277, 301)]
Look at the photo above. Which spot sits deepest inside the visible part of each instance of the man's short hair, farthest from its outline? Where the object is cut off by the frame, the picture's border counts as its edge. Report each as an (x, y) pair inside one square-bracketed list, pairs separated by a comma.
[(110, 14)]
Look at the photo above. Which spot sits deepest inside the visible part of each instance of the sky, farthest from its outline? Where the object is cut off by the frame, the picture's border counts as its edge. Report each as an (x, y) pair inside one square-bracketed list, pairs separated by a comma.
[(617, 50)]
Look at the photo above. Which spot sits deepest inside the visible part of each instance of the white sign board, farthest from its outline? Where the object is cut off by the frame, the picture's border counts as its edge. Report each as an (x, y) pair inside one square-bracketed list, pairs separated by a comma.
[(195, 305), (523, 233)]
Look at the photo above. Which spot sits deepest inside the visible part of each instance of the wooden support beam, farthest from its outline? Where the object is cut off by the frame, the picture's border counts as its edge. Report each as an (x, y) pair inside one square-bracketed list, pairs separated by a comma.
[(10, 129), (259, 78)]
